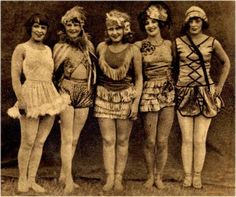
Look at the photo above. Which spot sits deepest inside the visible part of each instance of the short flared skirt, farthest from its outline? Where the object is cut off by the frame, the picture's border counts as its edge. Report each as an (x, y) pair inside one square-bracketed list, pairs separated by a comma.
[(157, 95), (40, 98), (198, 100), (113, 104)]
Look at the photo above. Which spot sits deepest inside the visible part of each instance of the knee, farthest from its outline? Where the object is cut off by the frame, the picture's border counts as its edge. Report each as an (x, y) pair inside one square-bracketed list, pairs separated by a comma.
[(27, 145), (187, 141), (39, 144), (162, 144), (150, 144), (74, 142), (199, 142), (108, 142), (123, 142), (65, 141)]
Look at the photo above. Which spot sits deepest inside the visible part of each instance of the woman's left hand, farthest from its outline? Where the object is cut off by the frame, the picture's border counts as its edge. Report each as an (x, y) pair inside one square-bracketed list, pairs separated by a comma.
[(218, 89), (134, 112)]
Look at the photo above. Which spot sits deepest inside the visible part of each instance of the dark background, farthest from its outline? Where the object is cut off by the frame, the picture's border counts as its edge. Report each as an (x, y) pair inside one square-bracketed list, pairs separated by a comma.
[(220, 158)]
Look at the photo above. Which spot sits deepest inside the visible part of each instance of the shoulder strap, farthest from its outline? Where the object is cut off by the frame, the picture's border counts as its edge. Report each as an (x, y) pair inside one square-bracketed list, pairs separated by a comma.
[(201, 59)]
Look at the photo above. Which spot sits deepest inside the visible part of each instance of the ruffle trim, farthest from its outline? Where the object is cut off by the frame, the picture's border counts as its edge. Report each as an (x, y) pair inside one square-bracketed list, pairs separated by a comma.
[(51, 109), (115, 73), (123, 96)]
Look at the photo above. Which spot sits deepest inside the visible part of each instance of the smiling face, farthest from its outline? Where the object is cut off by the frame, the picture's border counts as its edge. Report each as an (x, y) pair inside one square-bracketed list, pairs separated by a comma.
[(73, 29), (38, 32), (115, 33), (195, 25), (152, 27)]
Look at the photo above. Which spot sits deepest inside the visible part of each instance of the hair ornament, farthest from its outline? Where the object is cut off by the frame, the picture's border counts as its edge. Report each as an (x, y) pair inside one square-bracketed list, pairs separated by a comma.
[(158, 13), (119, 20), (76, 12)]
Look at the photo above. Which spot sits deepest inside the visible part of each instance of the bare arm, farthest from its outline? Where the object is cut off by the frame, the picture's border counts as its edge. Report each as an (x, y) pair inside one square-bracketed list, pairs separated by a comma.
[(137, 60), (224, 59), (16, 70)]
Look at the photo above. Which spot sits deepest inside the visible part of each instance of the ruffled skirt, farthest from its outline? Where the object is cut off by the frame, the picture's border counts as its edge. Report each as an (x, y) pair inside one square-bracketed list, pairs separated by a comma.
[(193, 101), (157, 95), (40, 98), (113, 104)]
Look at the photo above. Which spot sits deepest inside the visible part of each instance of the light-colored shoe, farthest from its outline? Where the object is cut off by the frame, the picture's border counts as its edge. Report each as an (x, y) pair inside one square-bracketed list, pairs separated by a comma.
[(109, 183), (159, 183), (69, 188), (36, 187), (149, 183), (118, 186), (197, 181), (23, 186), (187, 180)]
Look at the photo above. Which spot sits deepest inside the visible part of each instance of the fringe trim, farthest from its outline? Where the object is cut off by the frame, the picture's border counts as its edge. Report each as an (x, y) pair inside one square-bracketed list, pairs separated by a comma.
[(117, 73)]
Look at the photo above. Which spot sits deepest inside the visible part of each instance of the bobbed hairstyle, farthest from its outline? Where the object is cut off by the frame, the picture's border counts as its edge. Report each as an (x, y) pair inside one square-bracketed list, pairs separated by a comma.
[(36, 18), (185, 27), (160, 7)]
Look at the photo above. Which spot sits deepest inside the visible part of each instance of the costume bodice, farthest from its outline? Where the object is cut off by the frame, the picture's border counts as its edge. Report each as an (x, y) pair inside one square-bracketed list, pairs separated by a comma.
[(190, 70), (115, 68), (38, 64), (156, 60)]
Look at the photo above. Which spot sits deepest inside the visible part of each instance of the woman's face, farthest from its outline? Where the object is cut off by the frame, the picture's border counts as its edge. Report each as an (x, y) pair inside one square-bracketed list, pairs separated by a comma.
[(38, 32), (152, 27), (73, 29), (115, 33), (195, 25)]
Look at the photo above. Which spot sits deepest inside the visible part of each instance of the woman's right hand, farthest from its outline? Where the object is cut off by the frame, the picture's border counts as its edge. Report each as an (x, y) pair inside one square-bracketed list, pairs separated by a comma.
[(21, 102)]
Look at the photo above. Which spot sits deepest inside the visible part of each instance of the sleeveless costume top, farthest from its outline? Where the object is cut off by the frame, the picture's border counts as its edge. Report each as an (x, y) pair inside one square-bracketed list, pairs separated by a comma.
[(39, 94), (158, 90), (194, 95)]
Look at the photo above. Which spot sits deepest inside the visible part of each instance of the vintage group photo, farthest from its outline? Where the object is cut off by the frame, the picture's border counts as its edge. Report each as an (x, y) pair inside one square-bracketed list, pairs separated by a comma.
[(117, 98)]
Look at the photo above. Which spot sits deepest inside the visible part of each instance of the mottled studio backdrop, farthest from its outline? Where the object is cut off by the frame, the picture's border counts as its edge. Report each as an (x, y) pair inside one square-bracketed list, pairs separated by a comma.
[(219, 165)]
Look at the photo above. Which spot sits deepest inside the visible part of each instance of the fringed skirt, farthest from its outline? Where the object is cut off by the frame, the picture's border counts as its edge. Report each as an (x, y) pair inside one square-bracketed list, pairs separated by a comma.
[(40, 98), (156, 95), (113, 104), (193, 101)]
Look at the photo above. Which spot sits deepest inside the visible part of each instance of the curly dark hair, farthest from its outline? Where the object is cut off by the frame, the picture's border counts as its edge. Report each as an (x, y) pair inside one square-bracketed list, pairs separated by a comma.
[(36, 18), (142, 17)]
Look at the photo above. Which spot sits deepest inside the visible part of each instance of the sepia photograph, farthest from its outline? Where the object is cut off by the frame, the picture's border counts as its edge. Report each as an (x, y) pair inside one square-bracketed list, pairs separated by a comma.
[(117, 98)]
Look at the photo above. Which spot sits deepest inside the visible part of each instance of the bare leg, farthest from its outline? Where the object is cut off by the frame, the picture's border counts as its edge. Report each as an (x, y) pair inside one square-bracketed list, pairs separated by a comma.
[(150, 128), (165, 121), (80, 117), (45, 126), (201, 126), (29, 128), (124, 128), (67, 117), (108, 131), (186, 126)]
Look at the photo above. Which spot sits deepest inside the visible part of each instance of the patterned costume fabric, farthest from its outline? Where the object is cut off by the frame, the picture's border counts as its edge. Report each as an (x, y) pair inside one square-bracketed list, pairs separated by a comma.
[(115, 90), (71, 59), (39, 94), (158, 89), (194, 95)]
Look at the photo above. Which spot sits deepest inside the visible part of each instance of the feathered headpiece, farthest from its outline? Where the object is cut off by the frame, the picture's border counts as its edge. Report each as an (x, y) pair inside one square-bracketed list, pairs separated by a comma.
[(76, 12)]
